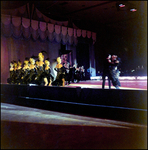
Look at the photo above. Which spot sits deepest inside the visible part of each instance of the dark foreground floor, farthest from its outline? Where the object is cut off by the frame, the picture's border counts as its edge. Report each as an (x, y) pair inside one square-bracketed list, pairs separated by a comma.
[(31, 128)]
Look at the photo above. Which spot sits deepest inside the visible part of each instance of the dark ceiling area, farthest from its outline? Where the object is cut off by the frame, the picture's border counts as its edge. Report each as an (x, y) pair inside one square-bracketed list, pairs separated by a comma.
[(89, 15)]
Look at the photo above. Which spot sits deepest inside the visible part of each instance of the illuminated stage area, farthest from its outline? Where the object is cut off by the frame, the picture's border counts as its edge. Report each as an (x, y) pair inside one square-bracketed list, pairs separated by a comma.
[(128, 83)]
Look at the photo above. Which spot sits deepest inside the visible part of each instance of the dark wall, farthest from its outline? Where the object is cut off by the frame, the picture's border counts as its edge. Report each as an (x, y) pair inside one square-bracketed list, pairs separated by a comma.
[(129, 45), (129, 41)]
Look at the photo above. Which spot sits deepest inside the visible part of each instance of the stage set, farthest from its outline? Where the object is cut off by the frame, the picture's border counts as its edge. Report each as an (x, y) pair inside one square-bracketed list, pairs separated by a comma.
[(25, 36)]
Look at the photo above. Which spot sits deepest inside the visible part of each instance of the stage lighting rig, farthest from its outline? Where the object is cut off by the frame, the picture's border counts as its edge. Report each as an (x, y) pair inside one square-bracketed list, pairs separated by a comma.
[(133, 9), (125, 6), (120, 5)]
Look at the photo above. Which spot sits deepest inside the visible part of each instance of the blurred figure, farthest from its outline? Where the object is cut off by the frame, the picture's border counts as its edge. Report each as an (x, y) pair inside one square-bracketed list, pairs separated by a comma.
[(106, 71), (82, 73), (40, 69), (32, 71), (67, 75), (60, 78), (10, 80), (114, 71), (48, 78), (19, 72), (25, 71), (77, 75), (72, 71)]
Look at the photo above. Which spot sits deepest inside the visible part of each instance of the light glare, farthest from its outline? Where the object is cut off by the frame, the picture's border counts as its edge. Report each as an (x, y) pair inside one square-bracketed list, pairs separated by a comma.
[(121, 5), (133, 9)]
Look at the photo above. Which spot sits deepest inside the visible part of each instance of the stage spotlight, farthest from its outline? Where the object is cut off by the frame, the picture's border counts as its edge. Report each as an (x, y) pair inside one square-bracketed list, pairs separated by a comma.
[(133, 9), (125, 6), (121, 5)]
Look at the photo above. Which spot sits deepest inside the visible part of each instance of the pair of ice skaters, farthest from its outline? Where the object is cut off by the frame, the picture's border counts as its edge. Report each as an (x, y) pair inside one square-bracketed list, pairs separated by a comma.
[(111, 70)]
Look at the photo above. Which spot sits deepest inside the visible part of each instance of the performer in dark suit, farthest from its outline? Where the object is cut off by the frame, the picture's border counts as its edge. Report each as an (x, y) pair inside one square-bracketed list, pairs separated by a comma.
[(114, 71), (67, 75), (106, 72), (72, 71)]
